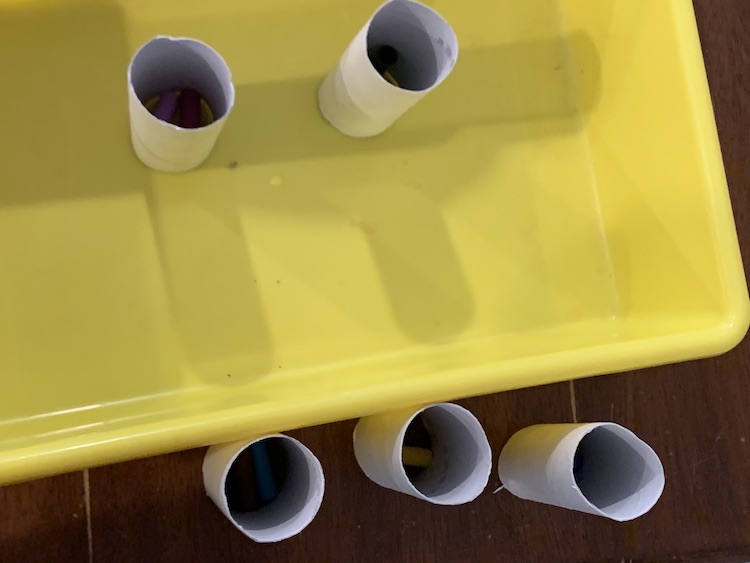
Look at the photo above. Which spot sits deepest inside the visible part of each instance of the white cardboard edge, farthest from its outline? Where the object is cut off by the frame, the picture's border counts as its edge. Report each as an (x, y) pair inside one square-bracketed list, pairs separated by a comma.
[(537, 464), (166, 147), (378, 443), (282, 525), (359, 102)]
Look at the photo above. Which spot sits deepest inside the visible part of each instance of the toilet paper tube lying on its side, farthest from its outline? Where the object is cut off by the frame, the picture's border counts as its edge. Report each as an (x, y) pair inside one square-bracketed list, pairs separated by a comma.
[(600, 468), (458, 463), (263, 501)]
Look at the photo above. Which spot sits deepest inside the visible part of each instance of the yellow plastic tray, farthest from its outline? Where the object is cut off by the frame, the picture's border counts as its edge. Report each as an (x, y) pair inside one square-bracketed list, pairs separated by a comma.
[(557, 208)]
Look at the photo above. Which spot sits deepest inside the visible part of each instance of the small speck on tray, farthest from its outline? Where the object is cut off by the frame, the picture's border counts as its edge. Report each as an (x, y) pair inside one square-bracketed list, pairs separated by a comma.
[(232, 165), (367, 227)]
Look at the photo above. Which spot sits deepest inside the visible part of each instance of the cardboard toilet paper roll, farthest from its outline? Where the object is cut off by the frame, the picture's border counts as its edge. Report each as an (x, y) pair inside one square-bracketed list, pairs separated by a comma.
[(161, 67), (403, 52), (459, 465), (286, 504), (600, 468)]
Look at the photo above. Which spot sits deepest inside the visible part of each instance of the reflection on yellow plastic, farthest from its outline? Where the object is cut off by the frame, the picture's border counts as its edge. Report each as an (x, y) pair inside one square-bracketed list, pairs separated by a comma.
[(558, 208)]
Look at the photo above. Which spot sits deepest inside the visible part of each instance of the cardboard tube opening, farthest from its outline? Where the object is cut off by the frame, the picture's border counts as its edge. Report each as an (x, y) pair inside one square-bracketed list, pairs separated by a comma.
[(403, 28), (403, 52), (169, 64), (600, 468), (449, 465), (270, 497), (458, 444), (196, 83), (616, 474)]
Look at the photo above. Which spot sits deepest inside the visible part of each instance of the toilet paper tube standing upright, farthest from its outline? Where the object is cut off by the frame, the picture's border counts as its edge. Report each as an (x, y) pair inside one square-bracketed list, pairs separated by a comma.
[(600, 468), (461, 455), (167, 64), (358, 99), (299, 495)]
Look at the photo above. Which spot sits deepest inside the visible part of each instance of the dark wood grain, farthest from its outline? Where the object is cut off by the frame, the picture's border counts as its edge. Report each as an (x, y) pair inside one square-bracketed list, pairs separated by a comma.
[(694, 415), (44, 520)]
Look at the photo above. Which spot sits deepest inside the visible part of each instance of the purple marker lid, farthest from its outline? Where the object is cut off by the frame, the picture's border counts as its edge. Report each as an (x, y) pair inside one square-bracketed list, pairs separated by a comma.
[(166, 105)]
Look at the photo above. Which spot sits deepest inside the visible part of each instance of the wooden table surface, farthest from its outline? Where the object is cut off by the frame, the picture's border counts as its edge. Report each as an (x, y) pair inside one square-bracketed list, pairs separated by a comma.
[(694, 414)]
